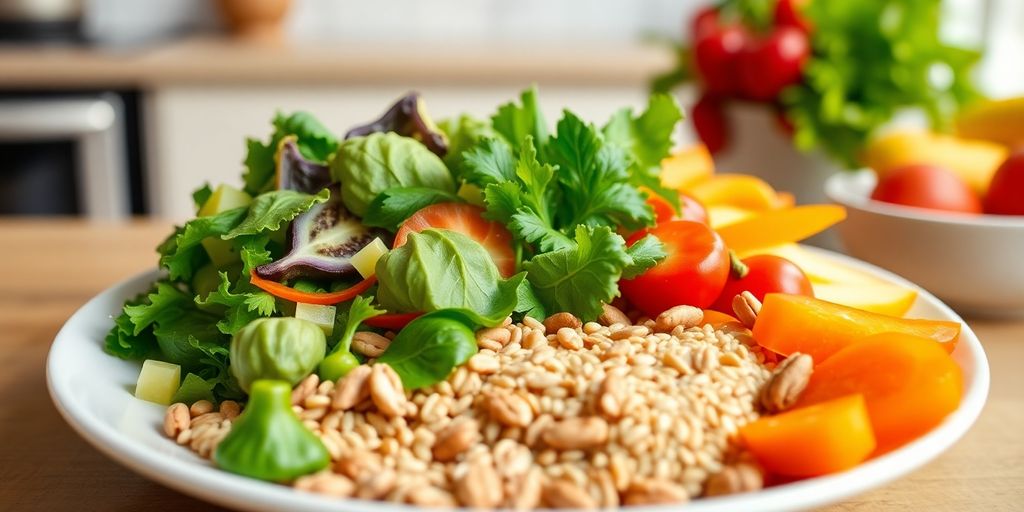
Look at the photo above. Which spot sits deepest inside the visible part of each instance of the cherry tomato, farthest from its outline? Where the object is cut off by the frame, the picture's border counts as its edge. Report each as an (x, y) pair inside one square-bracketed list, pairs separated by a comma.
[(715, 56), (769, 65), (468, 220), (1006, 192), (703, 23), (694, 272), (710, 123), (927, 186), (787, 14), (783, 122), (766, 274), (690, 209)]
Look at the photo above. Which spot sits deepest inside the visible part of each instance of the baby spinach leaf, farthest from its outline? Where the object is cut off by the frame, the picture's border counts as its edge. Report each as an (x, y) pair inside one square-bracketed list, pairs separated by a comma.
[(367, 166), (391, 207), (427, 350), (581, 278), (439, 269), (269, 211)]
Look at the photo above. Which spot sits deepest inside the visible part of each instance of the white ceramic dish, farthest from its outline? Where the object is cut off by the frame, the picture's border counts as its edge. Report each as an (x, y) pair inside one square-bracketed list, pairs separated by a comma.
[(93, 392), (971, 262)]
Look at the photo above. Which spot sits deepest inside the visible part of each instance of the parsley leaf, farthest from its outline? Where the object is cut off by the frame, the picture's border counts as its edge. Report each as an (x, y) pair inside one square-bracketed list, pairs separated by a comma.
[(580, 278), (242, 307), (645, 254), (515, 122)]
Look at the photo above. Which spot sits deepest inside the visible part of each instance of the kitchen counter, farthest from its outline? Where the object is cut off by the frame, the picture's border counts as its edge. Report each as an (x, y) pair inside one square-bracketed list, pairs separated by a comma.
[(50, 268), (220, 60)]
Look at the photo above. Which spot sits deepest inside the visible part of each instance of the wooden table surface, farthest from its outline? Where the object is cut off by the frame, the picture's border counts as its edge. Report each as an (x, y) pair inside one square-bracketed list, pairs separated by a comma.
[(50, 268)]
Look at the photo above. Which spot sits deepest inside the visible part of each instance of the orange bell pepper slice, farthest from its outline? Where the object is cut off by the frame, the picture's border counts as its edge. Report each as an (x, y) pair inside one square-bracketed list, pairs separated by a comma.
[(794, 323), (909, 384), (739, 190), (687, 167), (717, 319), (288, 293), (812, 441), (779, 227)]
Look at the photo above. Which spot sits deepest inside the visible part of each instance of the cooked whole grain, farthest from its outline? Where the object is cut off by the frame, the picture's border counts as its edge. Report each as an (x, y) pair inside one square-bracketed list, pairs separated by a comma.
[(587, 416)]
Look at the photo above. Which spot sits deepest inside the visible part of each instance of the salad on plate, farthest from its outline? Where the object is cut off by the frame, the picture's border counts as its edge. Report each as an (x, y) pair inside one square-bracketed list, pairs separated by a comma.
[(504, 313)]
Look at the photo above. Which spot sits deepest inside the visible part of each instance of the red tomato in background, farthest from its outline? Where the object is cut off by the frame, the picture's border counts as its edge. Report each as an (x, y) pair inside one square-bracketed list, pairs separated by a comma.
[(690, 209), (468, 220), (694, 272), (1006, 191), (769, 65), (710, 123), (927, 186), (704, 23), (787, 14), (766, 274), (715, 56)]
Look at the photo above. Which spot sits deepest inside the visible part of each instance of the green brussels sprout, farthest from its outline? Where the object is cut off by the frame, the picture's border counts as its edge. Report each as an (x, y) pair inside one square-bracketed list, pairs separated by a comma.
[(268, 441), (284, 348)]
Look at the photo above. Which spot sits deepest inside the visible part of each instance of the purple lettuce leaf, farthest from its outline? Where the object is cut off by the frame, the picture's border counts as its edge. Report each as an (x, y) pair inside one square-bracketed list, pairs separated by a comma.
[(295, 172), (407, 117)]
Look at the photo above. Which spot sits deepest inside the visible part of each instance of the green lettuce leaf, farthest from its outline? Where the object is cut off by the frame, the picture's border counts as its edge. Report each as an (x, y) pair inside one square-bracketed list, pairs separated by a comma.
[(182, 254), (367, 166), (463, 133), (166, 299), (242, 307), (315, 142), (271, 210)]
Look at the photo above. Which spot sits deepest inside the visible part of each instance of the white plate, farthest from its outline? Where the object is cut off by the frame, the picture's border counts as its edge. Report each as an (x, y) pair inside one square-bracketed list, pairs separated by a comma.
[(93, 392)]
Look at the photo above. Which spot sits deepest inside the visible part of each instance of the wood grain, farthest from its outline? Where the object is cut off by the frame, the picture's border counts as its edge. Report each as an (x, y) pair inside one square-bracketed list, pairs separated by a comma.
[(49, 268)]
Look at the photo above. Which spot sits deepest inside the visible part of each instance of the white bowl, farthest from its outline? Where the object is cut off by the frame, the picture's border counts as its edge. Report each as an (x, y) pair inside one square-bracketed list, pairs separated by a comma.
[(93, 391), (973, 262)]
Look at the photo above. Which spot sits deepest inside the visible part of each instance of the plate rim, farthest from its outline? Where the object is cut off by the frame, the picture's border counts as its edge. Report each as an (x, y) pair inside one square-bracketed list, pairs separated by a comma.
[(210, 484)]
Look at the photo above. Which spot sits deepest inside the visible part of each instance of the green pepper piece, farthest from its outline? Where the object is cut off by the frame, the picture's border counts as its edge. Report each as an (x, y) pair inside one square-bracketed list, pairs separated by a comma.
[(337, 365), (268, 441)]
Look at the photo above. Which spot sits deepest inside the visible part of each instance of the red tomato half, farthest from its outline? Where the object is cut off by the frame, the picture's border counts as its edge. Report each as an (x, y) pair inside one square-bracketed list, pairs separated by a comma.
[(927, 186), (468, 220), (766, 274), (1006, 192), (694, 272)]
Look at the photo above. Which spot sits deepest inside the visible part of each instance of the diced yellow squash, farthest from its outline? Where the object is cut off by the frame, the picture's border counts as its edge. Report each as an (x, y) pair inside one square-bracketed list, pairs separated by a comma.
[(472, 194), (223, 199), (975, 161), (720, 215), (321, 315), (158, 381), (884, 298), (365, 260)]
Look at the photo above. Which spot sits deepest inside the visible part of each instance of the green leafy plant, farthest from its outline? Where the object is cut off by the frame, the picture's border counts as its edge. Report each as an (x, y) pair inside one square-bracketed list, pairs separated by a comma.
[(430, 347)]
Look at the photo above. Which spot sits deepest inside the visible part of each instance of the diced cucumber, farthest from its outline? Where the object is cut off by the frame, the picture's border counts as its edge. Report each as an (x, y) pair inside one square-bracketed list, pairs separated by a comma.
[(223, 199), (472, 194), (322, 316), (365, 260), (158, 381), (222, 252)]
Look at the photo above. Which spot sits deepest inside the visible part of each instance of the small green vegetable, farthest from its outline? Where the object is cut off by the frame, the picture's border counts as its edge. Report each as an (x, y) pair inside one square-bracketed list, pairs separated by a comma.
[(341, 360), (283, 348), (314, 141), (268, 441), (367, 166), (431, 346), (439, 269)]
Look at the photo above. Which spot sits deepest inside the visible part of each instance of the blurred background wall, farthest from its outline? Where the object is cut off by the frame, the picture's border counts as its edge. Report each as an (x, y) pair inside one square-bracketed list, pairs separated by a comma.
[(161, 98)]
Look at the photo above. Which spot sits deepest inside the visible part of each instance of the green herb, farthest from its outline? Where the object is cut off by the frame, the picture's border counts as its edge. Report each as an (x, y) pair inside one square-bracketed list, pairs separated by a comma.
[(391, 207), (241, 308), (580, 278), (193, 389), (427, 350), (644, 254), (183, 254), (516, 122), (268, 441), (367, 166), (648, 138), (315, 143), (201, 195), (340, 360), (439, 269)]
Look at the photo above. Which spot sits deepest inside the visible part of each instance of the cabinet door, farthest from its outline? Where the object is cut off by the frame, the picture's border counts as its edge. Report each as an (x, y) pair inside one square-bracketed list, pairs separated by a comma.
[(197, 134)]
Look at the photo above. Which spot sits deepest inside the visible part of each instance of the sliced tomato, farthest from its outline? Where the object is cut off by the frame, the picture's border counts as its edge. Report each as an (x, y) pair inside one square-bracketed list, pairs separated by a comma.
[(691, 209), (393, 321), (468, 220)]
